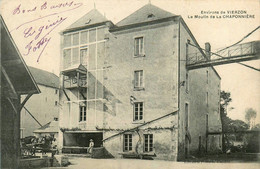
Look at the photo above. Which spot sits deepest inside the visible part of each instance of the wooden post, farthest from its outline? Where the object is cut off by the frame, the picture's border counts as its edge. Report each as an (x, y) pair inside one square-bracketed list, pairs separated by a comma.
[(77, 79), (17, 129)]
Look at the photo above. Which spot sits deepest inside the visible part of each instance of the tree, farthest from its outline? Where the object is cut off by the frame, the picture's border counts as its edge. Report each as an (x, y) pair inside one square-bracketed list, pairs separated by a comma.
[(250, 117), (237, 125), (225, 99), (256, 127)]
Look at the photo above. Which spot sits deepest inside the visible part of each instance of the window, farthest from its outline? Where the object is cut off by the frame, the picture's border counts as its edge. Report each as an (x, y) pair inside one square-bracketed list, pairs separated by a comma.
[(71, 51), (83, 56), (66, 58), (186, 116), (75, 39), (207, 98), (148, 142), (56, 91), (127, 142), (150, 15), (67, 40), (138, 111), (218, 107), (75, 56), (207, 121), (139, 46), (92, 35), (56, 103), (207, 77), (82, 113), (138, 79), (84, 37), (187, 82)]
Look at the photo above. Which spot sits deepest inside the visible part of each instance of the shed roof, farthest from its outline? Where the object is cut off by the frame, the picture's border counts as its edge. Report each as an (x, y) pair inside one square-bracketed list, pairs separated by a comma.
[(91, 18), (148, 12), (51, 127), (13, 65), (45, 78), (75, 68)]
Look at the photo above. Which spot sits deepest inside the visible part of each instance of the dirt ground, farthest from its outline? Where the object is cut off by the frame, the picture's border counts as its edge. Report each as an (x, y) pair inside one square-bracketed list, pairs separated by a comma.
[(227, 158), (88, 163)]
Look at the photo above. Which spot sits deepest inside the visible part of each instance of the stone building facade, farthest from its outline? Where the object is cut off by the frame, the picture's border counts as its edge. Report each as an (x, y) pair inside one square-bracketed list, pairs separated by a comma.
[(43, 107), (126, 86)]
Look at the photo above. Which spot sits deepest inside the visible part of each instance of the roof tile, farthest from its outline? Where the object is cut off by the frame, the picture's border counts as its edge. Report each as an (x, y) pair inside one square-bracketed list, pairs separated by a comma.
[(43, 77), (148, 12), (91, 18)]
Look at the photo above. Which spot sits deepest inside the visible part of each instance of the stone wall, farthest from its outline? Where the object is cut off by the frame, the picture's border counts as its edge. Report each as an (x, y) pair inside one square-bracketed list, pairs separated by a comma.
[(198, 84), (159, 93), (42, 107)]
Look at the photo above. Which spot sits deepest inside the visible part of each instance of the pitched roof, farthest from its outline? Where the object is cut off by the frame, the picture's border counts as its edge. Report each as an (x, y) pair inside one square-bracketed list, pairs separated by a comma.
[(51, 127), (91, 18), (45, 78), (148, 12)]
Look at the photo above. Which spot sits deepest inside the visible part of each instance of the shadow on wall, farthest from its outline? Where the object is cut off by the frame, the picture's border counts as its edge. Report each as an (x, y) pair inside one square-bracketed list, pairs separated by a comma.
[(103, 92), (163, 151)]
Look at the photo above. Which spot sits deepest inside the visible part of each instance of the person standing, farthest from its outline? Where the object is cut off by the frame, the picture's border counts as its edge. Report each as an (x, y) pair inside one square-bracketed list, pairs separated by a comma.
[(91, 145)]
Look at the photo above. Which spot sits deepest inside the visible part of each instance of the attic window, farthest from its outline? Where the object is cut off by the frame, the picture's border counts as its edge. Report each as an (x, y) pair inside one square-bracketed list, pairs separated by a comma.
[(88, 21), (150, 15)]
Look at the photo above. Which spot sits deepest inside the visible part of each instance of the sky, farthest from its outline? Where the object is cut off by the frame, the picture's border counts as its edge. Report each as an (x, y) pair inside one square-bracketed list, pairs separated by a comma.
[(42, 48)]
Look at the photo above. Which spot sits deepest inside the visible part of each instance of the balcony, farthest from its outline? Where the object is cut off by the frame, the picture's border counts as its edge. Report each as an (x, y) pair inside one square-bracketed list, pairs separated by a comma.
[(75, 77)]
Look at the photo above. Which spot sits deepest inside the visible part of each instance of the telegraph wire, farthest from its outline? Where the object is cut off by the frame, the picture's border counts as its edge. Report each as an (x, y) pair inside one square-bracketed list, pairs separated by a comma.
[(241, 39)]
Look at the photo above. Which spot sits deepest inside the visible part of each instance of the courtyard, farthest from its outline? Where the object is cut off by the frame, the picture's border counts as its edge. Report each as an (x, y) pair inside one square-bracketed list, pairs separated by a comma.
[(89, 163)]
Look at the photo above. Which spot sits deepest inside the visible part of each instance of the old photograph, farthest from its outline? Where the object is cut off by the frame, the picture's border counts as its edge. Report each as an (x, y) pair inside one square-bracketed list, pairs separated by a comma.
[(118, 84)]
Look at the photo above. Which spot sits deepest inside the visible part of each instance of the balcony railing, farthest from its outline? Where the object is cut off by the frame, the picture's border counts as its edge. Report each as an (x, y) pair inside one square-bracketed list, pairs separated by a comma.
[(74, 82), (75, 77)]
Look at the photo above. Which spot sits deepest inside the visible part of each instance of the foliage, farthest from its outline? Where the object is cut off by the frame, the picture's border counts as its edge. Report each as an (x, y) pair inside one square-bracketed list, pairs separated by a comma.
[(256, 127), (250, 115), (253, 144), (68, 129), (225, 98), (237, 125), (229, 125)]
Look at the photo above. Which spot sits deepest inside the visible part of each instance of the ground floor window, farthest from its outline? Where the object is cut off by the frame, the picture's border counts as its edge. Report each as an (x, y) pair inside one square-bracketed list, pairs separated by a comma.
[(127, 142), (83, 113), (148, 142)]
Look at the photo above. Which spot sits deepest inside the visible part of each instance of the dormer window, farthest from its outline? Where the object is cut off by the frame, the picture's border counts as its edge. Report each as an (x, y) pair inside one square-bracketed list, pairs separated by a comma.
[(88, 21), (150, 15)]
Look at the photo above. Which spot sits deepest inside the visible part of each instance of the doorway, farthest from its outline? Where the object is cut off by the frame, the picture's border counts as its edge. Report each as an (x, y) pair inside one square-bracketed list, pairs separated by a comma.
[(82, 139)]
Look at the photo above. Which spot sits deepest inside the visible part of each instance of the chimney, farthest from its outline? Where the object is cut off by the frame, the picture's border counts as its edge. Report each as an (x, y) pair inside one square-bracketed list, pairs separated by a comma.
[(208, 50)]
